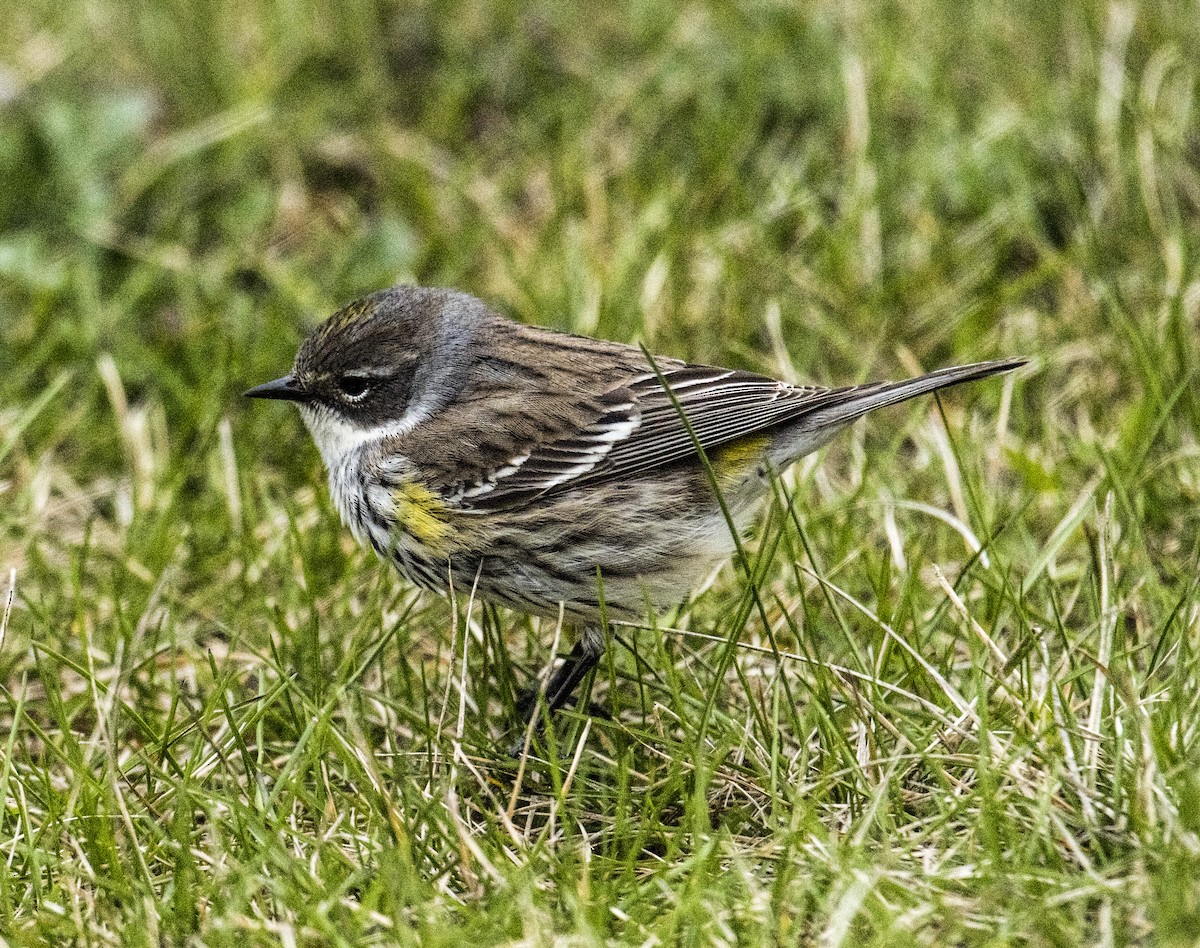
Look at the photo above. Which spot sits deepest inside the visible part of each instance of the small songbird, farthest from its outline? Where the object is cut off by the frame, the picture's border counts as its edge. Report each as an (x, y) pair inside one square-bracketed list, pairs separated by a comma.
[(551, 473)]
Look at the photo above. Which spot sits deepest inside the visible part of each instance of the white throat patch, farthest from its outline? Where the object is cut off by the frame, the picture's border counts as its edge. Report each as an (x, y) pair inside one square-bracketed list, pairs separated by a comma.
[(337, 439)]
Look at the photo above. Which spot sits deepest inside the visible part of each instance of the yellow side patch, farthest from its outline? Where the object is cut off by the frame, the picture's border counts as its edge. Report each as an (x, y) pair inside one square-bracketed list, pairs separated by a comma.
[(423, 515), (732, 462)]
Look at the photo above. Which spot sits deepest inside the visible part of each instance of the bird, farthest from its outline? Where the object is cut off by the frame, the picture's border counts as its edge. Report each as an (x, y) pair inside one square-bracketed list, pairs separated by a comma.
[(559, 475)]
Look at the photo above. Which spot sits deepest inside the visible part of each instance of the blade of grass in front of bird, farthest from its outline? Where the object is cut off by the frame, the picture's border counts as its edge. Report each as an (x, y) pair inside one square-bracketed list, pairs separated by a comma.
[(744, 562)]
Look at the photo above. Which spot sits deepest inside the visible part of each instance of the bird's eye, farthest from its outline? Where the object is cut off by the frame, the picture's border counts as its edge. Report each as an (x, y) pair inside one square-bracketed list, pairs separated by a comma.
[(353, 386)]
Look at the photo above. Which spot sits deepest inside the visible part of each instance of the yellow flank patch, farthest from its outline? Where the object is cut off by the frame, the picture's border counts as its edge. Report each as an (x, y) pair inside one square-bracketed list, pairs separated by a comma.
[(732, 462), (422, 514)]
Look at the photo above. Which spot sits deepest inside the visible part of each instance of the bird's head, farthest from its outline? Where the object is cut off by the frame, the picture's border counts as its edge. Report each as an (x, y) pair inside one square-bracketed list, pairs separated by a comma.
[(379, 365)]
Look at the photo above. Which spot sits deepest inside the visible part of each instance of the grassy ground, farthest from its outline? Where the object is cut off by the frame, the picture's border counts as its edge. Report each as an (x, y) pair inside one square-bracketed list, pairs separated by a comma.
[(223, 723)]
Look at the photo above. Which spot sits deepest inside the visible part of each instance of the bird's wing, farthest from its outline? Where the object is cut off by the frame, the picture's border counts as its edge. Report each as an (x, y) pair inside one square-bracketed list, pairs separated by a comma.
[(720, 405), (638, 425), (641, 428), (551, 463)]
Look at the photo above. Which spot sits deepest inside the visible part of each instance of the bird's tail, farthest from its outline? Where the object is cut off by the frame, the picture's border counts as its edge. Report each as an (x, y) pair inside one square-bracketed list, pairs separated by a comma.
[(845, 405)]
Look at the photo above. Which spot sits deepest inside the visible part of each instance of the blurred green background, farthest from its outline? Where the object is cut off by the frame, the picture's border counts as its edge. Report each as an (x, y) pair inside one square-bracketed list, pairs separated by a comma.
[(826, 191)]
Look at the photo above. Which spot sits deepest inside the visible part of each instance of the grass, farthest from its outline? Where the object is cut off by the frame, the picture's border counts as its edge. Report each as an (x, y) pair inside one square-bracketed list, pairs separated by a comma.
[(966, 712)]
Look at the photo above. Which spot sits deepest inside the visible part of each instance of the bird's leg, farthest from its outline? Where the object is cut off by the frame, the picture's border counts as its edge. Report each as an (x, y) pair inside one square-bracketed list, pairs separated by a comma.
[(583, 658), (566, 678)]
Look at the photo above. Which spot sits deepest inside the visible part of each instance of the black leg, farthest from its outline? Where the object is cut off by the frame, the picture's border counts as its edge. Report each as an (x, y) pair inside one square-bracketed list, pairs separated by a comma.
[(583, 658), (566, 678)]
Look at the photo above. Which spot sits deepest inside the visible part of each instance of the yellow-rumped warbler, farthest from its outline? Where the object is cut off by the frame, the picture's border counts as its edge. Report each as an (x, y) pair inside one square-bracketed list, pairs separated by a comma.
[(540, 468)]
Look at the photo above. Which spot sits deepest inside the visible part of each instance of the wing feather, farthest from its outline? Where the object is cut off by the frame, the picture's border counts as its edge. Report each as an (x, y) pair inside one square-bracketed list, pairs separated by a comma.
[(720, 406), (635, 426), (550, 465), (643, 431)]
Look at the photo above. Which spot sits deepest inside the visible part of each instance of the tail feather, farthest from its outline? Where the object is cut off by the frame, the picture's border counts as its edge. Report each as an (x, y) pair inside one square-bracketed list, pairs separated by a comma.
[(860, 399)]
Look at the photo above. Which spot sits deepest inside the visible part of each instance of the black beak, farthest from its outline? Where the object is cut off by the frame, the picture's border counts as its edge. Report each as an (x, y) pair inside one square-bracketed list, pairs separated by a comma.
[(286, 388)]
